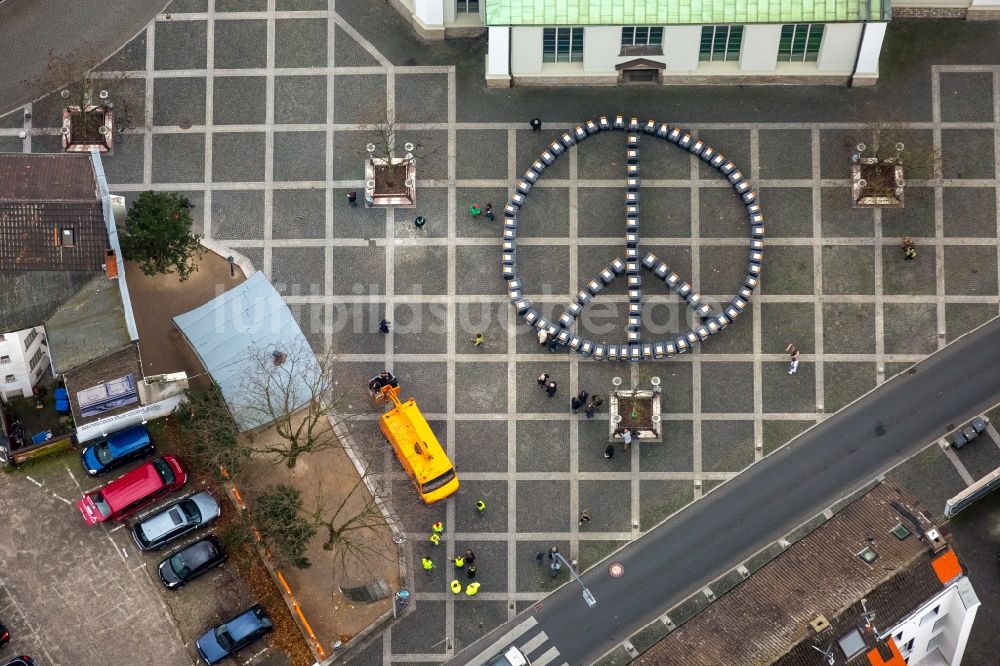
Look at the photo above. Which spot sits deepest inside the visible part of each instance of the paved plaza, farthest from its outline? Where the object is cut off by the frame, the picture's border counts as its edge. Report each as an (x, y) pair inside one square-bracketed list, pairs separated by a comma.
[(256, 110)]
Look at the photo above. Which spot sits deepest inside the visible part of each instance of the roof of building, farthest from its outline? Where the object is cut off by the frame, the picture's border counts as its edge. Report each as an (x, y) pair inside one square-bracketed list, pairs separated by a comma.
[(29, 298), (90, 324), (41, 195), (231, 329), (679, 12), (103, 369), (768, 615)]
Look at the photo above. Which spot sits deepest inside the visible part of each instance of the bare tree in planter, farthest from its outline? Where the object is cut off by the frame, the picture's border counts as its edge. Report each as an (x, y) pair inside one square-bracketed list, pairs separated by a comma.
[(390, 178), (877, 162), (87, 115), (293, 390)]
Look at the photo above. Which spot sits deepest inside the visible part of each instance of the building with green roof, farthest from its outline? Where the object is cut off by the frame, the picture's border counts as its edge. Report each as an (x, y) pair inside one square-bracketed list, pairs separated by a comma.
[(615, 42)]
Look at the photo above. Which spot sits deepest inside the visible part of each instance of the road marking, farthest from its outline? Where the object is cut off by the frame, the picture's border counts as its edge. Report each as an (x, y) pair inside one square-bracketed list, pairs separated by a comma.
[(33, 481), (61, 498), (534, 643), (551, 654), (115, 529), (504, 640)]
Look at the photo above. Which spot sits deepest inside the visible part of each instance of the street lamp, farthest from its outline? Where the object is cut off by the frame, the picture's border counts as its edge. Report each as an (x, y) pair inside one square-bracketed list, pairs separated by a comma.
[(587, 596)]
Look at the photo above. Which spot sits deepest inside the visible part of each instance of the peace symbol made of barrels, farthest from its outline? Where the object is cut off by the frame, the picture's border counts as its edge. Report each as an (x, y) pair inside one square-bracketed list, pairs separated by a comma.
[(634, 264)]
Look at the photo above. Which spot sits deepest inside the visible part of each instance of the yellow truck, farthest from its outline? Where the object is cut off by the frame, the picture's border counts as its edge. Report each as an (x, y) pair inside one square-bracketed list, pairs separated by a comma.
[(422, 456)]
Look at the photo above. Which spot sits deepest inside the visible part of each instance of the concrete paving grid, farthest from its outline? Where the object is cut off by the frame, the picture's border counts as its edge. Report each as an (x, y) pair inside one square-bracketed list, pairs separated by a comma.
[(274, 142)]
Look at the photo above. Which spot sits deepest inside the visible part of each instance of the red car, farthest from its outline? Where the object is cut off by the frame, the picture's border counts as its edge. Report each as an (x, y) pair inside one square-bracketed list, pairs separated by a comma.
[(133, 491)]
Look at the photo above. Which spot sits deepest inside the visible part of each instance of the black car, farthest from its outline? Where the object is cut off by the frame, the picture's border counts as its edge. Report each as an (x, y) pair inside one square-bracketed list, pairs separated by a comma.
[(4, 635), (187, 564), (20, 661)]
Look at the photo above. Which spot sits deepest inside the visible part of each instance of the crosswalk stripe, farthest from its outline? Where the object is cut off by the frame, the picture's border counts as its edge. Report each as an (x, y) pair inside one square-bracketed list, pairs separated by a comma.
[(534, 643), (549, 655), (503, 641)]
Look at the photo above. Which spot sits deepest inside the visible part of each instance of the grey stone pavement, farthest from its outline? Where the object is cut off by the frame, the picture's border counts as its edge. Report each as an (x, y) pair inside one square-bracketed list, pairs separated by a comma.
[(256, 110)]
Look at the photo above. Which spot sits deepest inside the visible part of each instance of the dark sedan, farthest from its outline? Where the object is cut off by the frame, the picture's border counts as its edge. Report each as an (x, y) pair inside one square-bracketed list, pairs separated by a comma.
[(226, 639), (187, 564)]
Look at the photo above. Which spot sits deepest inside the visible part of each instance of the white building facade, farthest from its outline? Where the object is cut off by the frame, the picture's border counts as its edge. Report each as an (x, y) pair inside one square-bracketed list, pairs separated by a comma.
[(23, 359), (936, 633), (611, 42)]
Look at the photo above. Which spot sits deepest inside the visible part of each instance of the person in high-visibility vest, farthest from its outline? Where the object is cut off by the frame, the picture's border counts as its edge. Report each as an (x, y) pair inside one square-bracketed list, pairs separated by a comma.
[(471, 589), (456, 587), (459, 561), (427, 563), (435, 539), (437, 527), (480, 506)]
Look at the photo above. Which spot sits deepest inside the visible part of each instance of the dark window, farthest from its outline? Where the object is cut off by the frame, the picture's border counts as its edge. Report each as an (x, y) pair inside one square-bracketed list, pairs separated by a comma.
[(11, 379), (642, 36), (562, 45), (467, 6), (720, 42), (800, 42)]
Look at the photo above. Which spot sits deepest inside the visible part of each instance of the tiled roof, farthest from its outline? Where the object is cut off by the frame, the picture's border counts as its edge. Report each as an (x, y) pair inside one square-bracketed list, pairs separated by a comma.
[(679, 12), (39, 196), (768, 614)]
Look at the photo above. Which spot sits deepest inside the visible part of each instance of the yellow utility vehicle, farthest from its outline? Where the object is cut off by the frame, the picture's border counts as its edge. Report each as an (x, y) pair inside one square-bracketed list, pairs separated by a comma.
[(422, 456)]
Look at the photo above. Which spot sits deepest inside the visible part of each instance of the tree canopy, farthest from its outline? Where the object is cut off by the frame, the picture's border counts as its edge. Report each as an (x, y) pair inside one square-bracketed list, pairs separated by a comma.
[(157, 235)]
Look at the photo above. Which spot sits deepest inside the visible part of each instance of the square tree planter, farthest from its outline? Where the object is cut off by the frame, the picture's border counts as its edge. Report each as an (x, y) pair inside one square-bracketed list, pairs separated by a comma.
[(638, 410), (877, 183), (91, 128), (390, 182)]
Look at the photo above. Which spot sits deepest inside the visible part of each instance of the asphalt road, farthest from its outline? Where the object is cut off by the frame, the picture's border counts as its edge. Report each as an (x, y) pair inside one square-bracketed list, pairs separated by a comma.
[(716, 533), (68, 37)]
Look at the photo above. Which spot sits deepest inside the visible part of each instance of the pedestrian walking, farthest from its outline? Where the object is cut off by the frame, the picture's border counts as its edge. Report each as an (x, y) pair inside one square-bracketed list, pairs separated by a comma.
[(554, 569), (352, 198), (383, 325), (543, 379), (792, 350), (609, 452), (470, 571), (584, 516), (456, 587), (590, 411), (536, 124), (478, 340), (488, 213), (420, 222), (552, 551), (480, 506), (437, 527), (910, 253), (626, 439), (575, 404), (471, 589), (553, 343), (793, 367), (550, 388), (427, 563), (459, 561), (543, 336), (475, 210), (539, 558), (435, 539), (583, 395), (470, 557)]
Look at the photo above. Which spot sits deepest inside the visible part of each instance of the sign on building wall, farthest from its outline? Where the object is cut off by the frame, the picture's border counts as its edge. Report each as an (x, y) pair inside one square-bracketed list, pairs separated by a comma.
[(110, 395), (104, 427)]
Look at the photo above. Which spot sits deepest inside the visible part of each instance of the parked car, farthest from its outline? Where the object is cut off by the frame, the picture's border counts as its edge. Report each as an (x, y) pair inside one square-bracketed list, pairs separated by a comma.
[(4, 635), (509, 657), (175, 520), (117, 449), (133, 490), (187, 564), (20, 661), (226, 639)]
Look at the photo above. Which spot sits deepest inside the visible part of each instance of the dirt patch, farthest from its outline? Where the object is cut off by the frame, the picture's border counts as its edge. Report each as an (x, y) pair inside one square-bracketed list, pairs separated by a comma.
[(329, 478), (640, 407), (157, 299)]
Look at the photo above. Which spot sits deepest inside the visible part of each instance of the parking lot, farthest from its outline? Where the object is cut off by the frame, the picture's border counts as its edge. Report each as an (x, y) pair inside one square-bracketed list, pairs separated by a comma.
[(78, 595)]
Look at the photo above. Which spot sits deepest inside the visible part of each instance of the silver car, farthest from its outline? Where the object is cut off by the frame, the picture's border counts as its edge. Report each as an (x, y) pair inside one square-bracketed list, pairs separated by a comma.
[(175, 520)]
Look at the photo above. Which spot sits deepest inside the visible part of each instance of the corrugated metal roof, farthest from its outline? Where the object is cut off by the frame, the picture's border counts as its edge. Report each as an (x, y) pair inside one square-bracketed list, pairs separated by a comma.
[(679, 12), (769, 613), (227, 332)]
